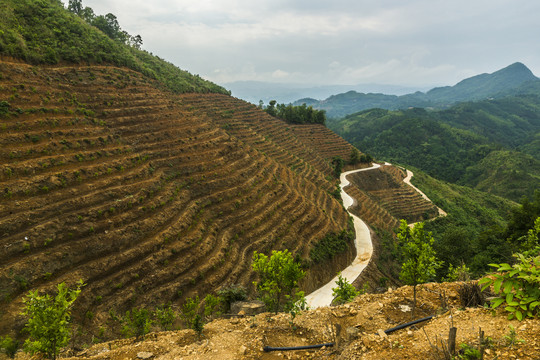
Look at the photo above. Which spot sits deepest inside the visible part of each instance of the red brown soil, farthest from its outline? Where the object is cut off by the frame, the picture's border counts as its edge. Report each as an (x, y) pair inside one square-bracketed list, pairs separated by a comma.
[(359, 323), (147, 196), (152, 197)]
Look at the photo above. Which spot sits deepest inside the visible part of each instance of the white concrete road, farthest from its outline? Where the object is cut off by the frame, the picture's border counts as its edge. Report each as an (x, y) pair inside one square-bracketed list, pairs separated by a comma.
[(364, 249)]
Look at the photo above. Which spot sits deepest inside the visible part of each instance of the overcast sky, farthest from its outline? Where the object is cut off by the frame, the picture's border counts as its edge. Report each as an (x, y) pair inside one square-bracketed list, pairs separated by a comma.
[(399, 42)]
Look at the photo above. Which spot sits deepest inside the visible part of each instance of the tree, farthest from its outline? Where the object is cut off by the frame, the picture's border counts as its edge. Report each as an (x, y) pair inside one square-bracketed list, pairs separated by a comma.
[(419, 261), (75, 6), (337, 163), (344, 292), (355, 156), (271, 108), (109, 25), (136, 41), (279, 275), (48, 319)]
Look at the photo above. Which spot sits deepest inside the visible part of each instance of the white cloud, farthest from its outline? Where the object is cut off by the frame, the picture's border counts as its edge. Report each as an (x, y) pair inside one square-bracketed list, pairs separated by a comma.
[(415, 42)]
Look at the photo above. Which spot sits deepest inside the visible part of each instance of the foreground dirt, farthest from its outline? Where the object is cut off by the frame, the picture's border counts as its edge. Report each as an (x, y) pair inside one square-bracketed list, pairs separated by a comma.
[(357, 324)]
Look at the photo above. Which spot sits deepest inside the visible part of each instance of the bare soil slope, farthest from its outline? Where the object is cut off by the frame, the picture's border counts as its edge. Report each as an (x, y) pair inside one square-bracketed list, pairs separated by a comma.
[(147, 196)]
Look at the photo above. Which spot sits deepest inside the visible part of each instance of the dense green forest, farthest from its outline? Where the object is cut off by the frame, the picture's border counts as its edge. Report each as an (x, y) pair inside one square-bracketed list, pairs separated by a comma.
[(302, 114), (44, 32), (479, 229), (489, 145)]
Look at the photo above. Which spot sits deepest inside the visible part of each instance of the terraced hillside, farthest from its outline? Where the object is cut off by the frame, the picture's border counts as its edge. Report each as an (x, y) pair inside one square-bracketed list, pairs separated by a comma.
[(383, 198), (148, 196)]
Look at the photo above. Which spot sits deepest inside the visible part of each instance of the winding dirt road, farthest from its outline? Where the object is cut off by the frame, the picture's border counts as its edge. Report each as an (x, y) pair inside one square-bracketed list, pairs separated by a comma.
[(364, 249)]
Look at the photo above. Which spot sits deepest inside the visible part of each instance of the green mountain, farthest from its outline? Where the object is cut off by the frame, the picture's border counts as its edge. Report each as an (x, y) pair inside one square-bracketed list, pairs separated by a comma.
[(512, 80), (43, 32), (490, 145)]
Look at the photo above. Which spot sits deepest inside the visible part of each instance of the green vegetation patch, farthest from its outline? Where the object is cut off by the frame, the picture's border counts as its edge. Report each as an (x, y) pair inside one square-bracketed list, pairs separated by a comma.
[(331, 245), (43, 32)]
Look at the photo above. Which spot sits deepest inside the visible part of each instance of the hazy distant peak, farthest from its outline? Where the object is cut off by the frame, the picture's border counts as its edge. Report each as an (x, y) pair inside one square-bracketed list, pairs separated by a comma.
[(516, 68)]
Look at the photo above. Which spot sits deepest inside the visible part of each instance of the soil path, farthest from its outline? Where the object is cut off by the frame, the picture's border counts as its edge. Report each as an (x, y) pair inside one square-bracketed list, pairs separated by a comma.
[(364, 249)]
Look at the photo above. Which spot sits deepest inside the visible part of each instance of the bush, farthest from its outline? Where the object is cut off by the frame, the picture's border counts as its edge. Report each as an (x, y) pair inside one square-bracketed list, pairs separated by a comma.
[(8, 345), (192, 318), (212, 306), (136, 323), (230, 294), (165, 316), (344, 292), (48, 319), (518, 285), (331, 245)]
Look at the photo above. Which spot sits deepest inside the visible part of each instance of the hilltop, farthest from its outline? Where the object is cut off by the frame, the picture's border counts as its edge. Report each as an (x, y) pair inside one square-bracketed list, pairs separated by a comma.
[(511, 80), (44, 33)]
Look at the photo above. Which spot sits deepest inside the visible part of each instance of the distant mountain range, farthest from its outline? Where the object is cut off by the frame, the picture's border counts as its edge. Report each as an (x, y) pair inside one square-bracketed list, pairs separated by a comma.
[(492, 145), (512, 80), (284, 93)]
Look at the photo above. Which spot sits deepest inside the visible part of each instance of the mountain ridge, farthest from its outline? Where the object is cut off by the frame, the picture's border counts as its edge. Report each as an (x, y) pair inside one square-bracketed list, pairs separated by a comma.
[(513, 79)]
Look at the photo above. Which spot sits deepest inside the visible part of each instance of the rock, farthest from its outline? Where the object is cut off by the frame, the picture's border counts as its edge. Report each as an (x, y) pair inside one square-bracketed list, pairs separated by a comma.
[(410, 333), (248, 307), (352, 333), (144, 355), (382, 334), (243, 350), (405, 308)]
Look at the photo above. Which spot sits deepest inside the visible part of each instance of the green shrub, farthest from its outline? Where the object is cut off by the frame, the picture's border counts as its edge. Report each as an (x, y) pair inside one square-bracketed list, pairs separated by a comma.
[(136, 323), (331, 245), (230, 294), (192, 318), (4, 108), (165, 316), (518, 285), (212, 306), (48, 319), (8, 345), (344, 292)]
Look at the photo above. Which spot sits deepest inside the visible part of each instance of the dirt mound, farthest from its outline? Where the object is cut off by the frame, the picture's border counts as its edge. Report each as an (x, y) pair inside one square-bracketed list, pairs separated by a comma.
[(358, 326)]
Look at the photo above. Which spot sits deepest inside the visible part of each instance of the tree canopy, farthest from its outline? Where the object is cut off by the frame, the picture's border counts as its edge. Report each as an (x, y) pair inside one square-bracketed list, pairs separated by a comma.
[(295, 114)]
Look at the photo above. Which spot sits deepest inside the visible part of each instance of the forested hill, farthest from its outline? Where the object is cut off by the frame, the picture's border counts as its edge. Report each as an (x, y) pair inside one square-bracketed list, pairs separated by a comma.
[(491, 145), (512, 80), (43, 32)]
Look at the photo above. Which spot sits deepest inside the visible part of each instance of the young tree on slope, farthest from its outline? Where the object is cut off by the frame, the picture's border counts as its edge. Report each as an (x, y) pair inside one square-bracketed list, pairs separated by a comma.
[(419, 261), (279, 275), (48, 319)]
